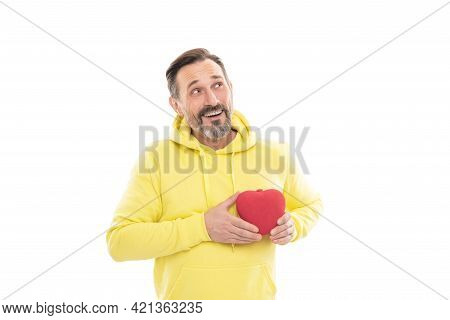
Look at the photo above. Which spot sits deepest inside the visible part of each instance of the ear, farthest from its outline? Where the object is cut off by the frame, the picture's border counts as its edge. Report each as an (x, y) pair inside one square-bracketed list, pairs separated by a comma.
[(176, 106)]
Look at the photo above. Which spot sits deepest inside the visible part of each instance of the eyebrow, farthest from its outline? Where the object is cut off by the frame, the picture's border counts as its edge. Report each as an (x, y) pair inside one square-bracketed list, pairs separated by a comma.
[(195, 81)]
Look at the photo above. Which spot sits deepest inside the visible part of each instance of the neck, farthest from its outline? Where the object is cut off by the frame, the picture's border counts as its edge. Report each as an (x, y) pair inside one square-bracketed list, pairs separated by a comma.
[(215, 144)]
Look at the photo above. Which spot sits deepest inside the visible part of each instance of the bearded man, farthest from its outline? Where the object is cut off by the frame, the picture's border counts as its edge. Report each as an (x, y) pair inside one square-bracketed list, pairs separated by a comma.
[(179, 206)]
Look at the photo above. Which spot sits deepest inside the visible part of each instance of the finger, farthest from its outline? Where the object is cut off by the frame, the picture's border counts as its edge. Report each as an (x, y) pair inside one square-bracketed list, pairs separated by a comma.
[(249, 240), (238, 222), (275, 231), (283, 234), (230, 201), (282, 227), (245, 234), (282, 241), (284, 218)]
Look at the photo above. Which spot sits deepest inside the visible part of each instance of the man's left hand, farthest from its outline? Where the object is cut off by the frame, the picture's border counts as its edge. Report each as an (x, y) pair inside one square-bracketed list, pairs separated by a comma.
[(284, 232)]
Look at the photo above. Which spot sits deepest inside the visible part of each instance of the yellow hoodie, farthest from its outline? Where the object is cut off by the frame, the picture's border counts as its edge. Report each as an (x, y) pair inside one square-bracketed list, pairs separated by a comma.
[(176, 181)]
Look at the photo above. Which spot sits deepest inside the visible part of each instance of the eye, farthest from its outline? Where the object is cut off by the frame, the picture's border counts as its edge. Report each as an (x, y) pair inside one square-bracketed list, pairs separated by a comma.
[(219, 83), (194, 91)]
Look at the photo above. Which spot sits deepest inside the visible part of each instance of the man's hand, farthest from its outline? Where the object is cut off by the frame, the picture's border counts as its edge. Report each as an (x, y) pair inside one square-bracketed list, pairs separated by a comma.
[(226, 228), (284, 232)]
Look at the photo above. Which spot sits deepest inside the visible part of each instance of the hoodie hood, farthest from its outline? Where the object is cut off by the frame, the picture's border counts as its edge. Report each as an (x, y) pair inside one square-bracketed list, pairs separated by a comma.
[(244, 140)]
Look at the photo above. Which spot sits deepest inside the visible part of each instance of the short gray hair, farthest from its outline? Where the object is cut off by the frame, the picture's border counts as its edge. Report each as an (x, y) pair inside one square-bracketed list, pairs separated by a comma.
[(188, 57)]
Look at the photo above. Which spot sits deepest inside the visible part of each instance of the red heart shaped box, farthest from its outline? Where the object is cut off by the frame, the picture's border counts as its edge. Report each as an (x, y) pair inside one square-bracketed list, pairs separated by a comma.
[(261, 208)]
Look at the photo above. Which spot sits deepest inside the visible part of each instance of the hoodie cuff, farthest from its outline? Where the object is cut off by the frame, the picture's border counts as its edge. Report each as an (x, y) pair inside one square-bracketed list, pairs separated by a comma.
[(197, 226)]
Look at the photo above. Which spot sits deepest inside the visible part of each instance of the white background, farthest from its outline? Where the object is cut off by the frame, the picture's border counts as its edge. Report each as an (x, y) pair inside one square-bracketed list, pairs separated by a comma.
[(378, 146)]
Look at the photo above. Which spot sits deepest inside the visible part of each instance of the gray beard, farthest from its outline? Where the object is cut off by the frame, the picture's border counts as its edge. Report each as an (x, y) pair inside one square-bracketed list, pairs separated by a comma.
[(215, 131)]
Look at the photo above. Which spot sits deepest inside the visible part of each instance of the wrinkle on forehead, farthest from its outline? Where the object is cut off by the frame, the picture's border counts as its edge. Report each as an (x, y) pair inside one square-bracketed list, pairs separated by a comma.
[(196, 71)]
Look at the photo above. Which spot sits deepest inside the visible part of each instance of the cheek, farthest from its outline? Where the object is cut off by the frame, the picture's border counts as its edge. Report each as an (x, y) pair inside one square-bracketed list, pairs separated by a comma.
[(193, 110), (225, 97), (223, 94)]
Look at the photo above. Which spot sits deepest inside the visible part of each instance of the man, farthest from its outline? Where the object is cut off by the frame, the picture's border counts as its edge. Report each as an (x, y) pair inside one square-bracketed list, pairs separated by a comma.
[(179, 204)]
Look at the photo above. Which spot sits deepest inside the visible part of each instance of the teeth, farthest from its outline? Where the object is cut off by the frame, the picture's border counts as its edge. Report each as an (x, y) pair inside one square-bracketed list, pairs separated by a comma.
[(213, 113)]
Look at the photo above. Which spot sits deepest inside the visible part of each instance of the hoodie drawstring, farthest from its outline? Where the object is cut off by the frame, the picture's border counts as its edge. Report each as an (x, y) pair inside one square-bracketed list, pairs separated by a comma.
[(206, 180), (232, 173), (234, 185)]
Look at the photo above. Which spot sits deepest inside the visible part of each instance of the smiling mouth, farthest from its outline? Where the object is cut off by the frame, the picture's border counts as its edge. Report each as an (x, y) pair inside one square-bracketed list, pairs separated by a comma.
[(212, 115)]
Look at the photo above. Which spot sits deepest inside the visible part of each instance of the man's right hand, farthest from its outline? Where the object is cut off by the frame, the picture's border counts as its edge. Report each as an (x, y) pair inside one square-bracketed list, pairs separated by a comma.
[(226, 228)]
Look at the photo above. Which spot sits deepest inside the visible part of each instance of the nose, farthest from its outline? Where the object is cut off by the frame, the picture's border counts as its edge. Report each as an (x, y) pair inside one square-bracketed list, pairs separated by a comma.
[(211, 98)]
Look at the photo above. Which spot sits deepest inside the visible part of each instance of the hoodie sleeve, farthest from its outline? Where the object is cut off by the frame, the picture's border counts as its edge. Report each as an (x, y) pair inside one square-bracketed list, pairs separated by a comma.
[(136, 234), (302, 201)]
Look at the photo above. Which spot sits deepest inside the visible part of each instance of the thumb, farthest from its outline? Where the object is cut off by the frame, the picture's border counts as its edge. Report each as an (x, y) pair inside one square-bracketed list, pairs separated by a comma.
[(229, 202)]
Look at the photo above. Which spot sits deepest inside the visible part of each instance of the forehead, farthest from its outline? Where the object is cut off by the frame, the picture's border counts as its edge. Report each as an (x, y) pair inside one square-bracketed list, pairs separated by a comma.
[(201, 70)]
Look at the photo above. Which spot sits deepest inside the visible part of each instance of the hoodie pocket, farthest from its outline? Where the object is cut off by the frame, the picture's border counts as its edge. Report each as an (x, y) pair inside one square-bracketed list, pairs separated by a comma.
[(250, 282)]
